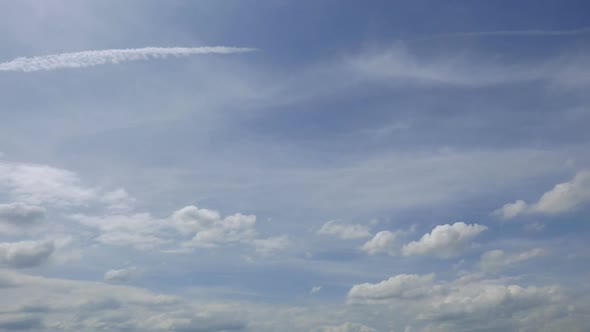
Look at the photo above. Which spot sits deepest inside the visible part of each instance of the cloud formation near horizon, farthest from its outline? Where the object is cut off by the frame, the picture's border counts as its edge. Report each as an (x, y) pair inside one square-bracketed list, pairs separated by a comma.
[(112, 56)]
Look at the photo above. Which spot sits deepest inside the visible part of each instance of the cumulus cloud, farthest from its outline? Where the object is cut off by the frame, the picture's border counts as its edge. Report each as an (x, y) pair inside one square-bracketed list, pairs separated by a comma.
[(382, 242), (445, 240), (345, 327), (210, 229), (118, 200), (25, 253), (139, 230), (494, 260), (563, 197), (403, 286), (190, 227), (121, 275), (344, 231), (271, 244), (15, 217), (37, 184), (112, 56), (70, 305), (315, 289), (457, 304)]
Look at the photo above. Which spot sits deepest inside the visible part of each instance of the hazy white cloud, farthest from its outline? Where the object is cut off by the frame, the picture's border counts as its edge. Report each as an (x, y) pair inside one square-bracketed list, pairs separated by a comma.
[(113, 56), (121, 275), (345, 327), (563, 197), (139, 230), (344, 231), (315, 289), (40, 184), (399, 286), (118, 200), (210, 229), (271, 244), (445, 240), (189, 227), (382, 242), (494, 260), (25, 253), (70, 305), (16, 217), (447, 305)]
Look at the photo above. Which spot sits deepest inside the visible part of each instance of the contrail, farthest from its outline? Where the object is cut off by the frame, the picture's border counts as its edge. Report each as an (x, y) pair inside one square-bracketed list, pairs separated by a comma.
[(500, 33), (114, 56)]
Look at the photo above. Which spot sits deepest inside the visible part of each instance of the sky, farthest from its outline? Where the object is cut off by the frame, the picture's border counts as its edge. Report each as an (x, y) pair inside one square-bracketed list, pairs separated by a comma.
[(305, 166)]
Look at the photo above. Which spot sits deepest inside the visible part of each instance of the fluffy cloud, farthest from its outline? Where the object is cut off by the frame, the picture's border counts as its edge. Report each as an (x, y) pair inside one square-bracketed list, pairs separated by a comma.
[(190, 226), (445, 240), (315, 289), (37, 184), (121, 275), (346, 327), (382, 242), (140, 230), (403, 286), (494, 260), (15, 217), (271, 244), (25, 253), (562, 198), (344, 231), (458, 304), (68, 305), (210, 229)]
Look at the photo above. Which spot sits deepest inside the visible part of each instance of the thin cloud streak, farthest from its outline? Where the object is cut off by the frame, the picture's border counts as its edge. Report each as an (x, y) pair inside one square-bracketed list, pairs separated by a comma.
[(112, 56), (505, 33)]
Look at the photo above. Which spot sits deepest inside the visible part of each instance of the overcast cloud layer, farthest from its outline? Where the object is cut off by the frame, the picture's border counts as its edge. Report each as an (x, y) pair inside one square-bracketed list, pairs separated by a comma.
[(336, 167)]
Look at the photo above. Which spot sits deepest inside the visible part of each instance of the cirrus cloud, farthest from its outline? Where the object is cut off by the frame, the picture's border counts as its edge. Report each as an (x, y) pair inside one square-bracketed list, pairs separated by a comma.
[(111, 56)]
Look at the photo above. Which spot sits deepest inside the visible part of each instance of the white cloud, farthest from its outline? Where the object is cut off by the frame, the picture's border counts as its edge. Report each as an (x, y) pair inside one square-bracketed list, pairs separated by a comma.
[(70, 305), (315, 290), (457, 305), (382, 242), (39, 184), (563, 197), (271, 244), (190, 227), (344, 231), (25, 253), (445, 240), (345, 327), (511, 210), (121, 275), (16, 217), (112, 56), (212, 230), (139, 230), (119, 200), (494, 260), (403, 286)]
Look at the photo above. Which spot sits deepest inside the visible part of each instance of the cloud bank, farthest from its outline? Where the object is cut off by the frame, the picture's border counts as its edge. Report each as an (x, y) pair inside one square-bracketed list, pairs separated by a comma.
[(112, 56), (562, 198)]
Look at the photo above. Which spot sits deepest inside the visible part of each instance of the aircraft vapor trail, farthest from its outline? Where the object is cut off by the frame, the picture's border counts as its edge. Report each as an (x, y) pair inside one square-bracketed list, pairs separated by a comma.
[(112, 56)]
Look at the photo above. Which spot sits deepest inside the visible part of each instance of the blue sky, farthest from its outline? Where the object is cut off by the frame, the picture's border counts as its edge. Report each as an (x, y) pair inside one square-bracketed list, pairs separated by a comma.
[(316, 166)]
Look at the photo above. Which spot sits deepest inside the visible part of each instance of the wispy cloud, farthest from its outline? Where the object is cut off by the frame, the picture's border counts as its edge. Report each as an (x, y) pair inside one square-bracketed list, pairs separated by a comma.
[(112, 56), (515, 33)]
